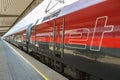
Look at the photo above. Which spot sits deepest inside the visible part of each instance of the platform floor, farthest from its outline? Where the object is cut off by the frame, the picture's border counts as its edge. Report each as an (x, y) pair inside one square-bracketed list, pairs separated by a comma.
[(16, 65)]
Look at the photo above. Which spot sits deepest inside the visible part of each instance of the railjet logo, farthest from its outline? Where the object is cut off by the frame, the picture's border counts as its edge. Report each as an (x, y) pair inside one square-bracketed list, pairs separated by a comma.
[(101, 27)]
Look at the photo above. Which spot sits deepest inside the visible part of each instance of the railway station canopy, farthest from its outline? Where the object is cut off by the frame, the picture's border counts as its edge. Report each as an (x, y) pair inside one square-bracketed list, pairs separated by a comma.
[(11, 11)]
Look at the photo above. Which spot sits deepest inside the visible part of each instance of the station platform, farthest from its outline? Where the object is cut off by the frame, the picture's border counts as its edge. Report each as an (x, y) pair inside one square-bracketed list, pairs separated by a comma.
[(17, 65)]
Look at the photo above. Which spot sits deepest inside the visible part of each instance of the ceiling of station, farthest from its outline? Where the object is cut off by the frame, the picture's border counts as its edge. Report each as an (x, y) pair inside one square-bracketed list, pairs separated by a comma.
[(11, 11)]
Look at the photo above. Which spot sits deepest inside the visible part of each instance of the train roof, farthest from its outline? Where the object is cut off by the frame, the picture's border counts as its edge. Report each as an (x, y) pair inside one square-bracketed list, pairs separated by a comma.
[(78, 5)]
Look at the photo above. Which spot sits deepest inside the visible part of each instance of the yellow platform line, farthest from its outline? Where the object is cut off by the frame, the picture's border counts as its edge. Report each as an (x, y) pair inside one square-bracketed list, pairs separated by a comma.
[(28, 62)]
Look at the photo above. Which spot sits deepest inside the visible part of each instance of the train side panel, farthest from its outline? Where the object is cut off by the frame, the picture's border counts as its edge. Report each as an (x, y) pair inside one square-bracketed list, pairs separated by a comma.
[(87, 39)]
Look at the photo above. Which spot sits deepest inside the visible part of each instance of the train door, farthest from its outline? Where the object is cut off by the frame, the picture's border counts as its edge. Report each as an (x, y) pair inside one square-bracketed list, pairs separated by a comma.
[(59, 37), (28, 33)]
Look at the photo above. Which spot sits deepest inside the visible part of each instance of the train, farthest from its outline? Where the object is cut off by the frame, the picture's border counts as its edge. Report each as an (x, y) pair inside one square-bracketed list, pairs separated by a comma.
[(80, 40)]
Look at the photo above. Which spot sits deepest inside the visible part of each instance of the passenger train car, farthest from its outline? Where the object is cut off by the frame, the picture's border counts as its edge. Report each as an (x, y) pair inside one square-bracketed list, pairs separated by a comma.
[(81, 40)]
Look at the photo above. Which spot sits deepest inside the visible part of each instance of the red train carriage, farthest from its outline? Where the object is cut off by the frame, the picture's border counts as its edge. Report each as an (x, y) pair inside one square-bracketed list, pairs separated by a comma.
[(86, 39), (17, 38), (81, 39)]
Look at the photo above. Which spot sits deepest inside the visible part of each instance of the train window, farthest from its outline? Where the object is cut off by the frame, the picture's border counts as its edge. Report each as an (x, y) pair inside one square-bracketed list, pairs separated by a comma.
[(18, 38), (46, 18), (55, 14)]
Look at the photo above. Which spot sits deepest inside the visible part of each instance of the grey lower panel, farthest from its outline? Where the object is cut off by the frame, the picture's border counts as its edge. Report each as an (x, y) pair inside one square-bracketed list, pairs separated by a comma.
[(104, 64)]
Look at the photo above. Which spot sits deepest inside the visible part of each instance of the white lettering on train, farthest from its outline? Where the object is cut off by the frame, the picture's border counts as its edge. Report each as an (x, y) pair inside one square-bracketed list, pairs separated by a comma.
[(100, 20), (82, 33), (80, 36), (98, 31)]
